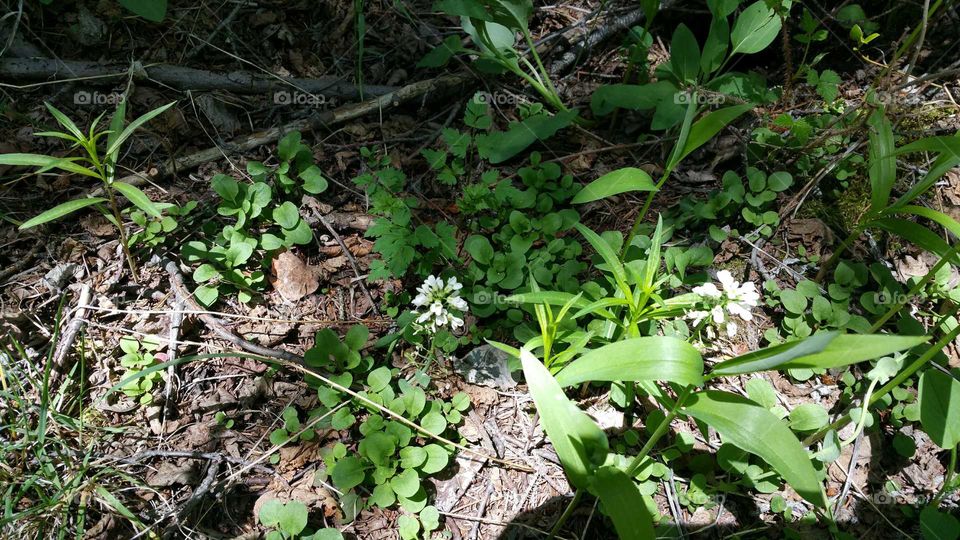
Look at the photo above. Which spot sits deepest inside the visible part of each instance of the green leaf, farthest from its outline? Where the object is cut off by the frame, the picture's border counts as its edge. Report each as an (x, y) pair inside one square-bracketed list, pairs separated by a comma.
[(916, 233), (578, 441), (716, 45), (614, 265), (705, 128), (286, 215), (126, 133), (940, 408), (412, 457), (347, 473), (685, 54), (937, 525), (207, 296), (65, 121), (808, 417), (46, 163), (151, 10), (406, 483), (270, 513), (501, 146), (613, 183), (437, 459), (293, 517), (408, 527), (755, 29), (313, 180), (430, 518), (630, 96), (882, 160), (793, 301), (60, 210), (754, 429), (652, 358), (434, 422), (479, 248), (821, 350), (622, 502), (137, 197)]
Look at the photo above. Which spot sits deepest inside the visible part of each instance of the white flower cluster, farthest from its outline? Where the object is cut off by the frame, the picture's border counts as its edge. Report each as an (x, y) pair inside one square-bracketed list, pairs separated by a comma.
[(722, 303), (436, 297)]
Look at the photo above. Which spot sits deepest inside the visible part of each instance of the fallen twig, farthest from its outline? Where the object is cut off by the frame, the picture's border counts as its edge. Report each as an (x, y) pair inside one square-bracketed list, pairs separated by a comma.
[(320, 120), (69, 335), (45, 70)]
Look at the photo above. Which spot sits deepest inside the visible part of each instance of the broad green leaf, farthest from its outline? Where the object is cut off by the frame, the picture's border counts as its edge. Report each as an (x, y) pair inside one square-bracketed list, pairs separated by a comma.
[(753, 428), (945, 144), (630, 96), (622, 502), (46, 163), (716, 45), (916, 233), (756, 28), (821, 350), (137, 197), (882, 161), (940, 408), (128, 131), (313, 180), (479, 248), (685, 54), (347, 473), (940, 218), (704, 129), (60, 210), (579, 442), (652, 358), (941, 165), (615, 182), (151, 10), (498, 147)]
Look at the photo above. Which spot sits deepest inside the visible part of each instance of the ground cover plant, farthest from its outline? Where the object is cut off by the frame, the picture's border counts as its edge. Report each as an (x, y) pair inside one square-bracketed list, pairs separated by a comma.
[(480, 269)]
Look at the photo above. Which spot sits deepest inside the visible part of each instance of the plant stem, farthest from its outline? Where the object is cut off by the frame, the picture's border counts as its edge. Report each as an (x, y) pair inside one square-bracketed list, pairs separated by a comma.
[(123, 235), (643, 212), (914, 290), (566, 514), (659, 432), (893, 383), (947, 480), (836, 254)]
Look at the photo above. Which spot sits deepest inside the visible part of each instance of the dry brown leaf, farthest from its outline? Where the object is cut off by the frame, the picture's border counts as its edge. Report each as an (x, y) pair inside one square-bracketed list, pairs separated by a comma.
[(292, 278)]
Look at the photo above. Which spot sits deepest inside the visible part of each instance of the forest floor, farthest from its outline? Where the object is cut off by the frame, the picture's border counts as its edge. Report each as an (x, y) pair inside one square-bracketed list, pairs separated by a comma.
[(172, 460)]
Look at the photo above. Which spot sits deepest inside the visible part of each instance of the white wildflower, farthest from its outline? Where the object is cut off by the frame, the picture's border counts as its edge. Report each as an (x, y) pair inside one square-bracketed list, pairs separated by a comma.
[(435, 298), (722, 303)]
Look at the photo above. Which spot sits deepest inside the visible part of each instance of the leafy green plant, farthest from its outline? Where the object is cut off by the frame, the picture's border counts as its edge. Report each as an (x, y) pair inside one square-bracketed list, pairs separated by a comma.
[(96, 162), (288, 521), (894, 214), (693, 74), (138, 356), (155, 230), (493, 25), (267, 219)]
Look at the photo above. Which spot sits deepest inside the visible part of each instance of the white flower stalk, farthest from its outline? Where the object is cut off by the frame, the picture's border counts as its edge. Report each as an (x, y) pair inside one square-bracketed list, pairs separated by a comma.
[(436, 298), (722, 304)]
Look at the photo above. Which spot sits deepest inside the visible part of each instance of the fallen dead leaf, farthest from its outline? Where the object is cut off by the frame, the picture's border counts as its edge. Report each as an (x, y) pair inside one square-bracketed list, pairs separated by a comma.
[(292, 278)]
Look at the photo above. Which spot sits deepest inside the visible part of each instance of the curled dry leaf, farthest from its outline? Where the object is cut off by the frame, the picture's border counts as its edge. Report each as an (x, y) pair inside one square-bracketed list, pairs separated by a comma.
[(292, 278)]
